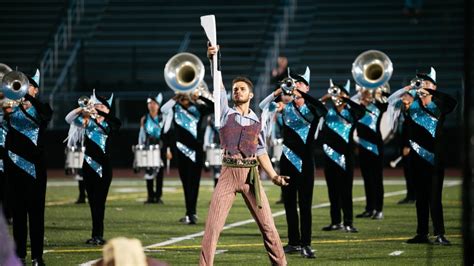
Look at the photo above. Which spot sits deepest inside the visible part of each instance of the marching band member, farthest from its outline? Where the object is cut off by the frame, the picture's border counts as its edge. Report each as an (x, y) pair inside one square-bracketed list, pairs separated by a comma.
[(300, 120), (25, 168), (427, 114), (151, 127), (97, 171), (242, 155), (187, 115), (337, 131), (371, 151)]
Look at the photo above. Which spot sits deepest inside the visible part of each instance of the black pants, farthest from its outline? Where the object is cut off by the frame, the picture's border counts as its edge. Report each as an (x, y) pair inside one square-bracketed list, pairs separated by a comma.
[(409, 178), (371, 167), (28, 200), (339, 184), (5, 196), (97, 189), (158, 176), (299, 193), (429, 187), (190, 175)]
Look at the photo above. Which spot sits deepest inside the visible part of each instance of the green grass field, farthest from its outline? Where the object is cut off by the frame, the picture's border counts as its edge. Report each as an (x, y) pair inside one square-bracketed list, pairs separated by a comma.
[(68, 225)]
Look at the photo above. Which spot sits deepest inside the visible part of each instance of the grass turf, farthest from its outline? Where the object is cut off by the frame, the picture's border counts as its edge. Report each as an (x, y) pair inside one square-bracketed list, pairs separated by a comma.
[(68, 225)]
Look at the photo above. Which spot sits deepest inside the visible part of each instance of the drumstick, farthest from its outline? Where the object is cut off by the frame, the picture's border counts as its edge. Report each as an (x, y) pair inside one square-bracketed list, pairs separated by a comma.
[(394, 163)]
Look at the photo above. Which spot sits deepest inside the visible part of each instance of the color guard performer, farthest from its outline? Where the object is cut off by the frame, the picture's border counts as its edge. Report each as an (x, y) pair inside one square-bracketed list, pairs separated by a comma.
[(97, 171), (242, 155), (25, 168), (427, 114), (337, 132)]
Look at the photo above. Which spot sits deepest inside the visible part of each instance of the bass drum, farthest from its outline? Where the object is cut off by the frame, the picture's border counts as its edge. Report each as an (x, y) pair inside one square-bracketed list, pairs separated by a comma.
[(385, 129)]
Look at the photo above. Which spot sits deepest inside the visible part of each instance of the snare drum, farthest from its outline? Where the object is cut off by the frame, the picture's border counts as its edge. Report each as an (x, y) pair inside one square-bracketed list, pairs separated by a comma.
[(277, 150), (146, 156), (213, 155), (74, 158)]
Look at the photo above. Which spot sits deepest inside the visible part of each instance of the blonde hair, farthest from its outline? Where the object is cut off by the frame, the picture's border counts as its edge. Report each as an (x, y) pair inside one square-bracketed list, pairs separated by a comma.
[(122, 251)]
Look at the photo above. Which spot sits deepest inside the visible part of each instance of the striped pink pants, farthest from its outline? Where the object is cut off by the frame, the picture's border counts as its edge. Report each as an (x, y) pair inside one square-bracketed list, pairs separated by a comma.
[(231, 181)]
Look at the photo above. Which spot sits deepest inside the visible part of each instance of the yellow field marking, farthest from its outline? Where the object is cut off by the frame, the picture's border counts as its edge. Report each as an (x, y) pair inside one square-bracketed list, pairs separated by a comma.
[(335, 241), (116, 197)]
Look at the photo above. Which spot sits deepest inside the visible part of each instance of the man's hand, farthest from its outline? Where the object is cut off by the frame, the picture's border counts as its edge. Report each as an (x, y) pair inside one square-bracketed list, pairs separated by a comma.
[(169, 155), (280, 180), (211, 50), (277, 92)]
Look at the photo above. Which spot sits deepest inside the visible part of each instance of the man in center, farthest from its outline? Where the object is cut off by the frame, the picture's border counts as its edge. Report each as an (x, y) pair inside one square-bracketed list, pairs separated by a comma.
[(244, 149)]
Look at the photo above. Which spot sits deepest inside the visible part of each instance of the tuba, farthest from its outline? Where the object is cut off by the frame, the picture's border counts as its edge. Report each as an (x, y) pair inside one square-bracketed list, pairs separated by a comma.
[(184, 72), (372, 69), (4, 69)]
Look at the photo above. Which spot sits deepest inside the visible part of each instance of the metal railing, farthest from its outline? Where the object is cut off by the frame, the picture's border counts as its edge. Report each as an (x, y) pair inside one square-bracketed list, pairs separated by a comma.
[(61, 39)]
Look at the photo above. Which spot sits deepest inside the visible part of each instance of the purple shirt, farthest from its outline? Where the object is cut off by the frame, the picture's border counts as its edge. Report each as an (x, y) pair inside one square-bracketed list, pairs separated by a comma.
[(243, 120)]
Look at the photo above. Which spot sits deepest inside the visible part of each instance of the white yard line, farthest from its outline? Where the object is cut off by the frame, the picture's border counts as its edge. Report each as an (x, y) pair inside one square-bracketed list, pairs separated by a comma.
[(276, 214)]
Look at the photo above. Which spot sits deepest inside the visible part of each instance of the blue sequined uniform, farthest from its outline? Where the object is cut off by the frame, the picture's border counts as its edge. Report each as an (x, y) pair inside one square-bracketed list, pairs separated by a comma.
[(337, 144), (25, 168)]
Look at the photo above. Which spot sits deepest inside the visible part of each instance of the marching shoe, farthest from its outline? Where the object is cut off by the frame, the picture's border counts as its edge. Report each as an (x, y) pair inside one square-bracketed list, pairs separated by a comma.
[(37, 262), (419, 239), (350, 229), (289, 249), (99, 241), (185, 220), (307, 252), (441, 240), (90, 241), (377, 216), (365, 214), (333, 227), (193, 219)]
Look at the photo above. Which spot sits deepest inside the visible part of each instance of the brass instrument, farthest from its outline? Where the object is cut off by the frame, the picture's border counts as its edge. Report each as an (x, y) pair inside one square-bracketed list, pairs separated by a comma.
[(15, 85), (288, 85), (335, 93), (372, 69), (4, 69), (87, 106), (184, 72)]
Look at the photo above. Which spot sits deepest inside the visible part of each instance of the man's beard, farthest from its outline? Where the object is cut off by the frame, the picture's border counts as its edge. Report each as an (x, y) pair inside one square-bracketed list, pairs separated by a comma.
[(241, 100)]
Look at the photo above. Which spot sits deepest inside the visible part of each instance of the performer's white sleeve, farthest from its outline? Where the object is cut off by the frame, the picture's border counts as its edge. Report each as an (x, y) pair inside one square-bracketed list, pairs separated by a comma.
[(394, 108), (168, 105), (168, 118), (266, 102), (395, 97), (142, 136), (71, 118)]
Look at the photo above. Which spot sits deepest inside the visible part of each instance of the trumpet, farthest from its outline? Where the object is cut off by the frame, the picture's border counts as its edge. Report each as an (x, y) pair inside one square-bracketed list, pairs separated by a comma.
[(335, 93), (15, 85), (87, 106), (287, 85)]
